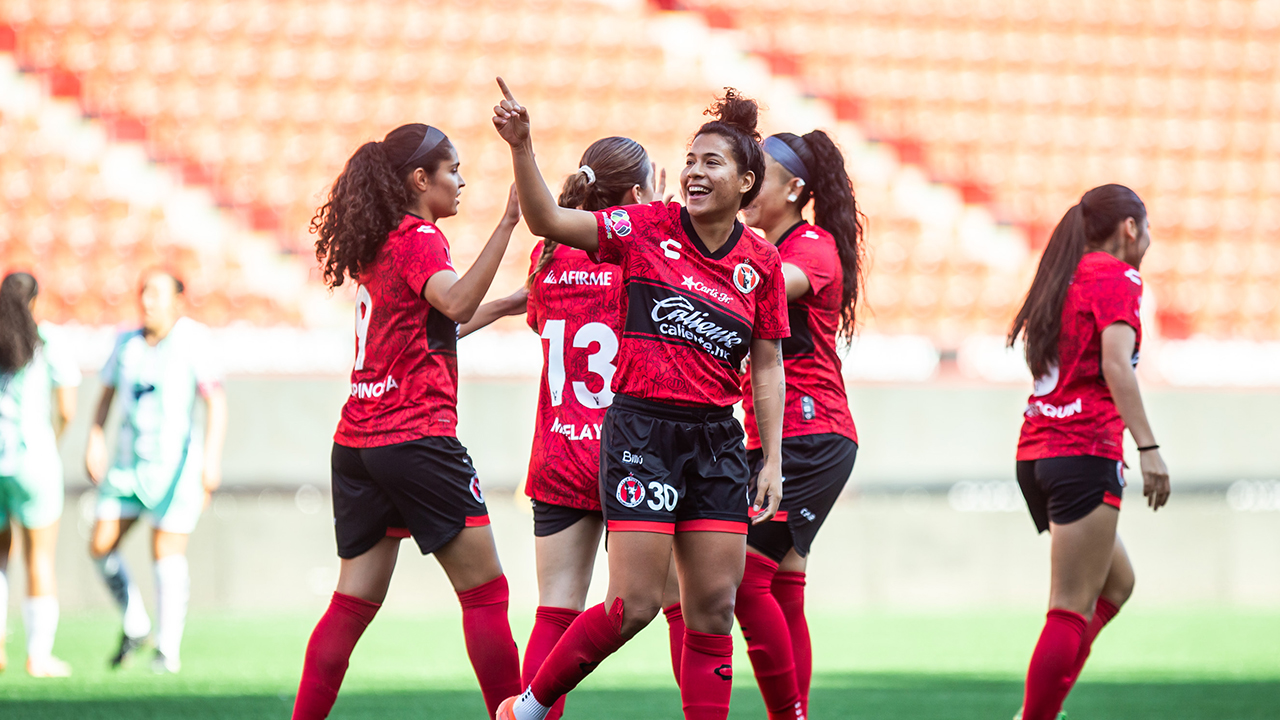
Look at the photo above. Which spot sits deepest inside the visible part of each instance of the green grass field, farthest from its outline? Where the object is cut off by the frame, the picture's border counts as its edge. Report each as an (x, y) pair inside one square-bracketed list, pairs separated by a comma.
[(1186, 665)]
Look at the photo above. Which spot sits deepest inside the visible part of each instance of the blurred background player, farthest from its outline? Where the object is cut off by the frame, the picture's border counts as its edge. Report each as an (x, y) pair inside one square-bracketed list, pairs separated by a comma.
[(822, 264), (702, 292), (398, 468), (161, 466), (1081, 327), (576, 306), (36, 370)]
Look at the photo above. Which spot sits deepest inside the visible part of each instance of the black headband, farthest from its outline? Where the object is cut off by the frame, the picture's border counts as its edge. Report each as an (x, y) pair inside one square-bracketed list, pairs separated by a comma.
[(430, 139), (780, 151)]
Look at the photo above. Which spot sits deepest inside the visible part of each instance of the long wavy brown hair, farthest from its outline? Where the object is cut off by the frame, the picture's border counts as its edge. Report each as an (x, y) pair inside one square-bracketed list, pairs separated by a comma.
[(19, 336), (368, 201)]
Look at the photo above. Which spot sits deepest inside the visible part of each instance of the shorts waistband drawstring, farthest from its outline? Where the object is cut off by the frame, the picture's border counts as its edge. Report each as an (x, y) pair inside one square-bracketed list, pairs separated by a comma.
[(691, 414)]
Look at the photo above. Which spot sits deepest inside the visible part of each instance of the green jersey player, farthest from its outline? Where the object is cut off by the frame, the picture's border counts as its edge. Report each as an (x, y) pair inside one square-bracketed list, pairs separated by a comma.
[(35, 370), (161, 467)]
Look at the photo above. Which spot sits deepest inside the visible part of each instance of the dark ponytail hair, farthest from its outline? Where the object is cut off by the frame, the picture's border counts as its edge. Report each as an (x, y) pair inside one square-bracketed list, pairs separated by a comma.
[(18, 333), (835, 209), (735, 121), (370, 198), (1086, 225), (618, 164)]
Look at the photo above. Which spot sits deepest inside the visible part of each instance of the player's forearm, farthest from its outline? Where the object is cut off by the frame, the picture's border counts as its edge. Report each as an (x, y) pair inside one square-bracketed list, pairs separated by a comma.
[(768, 395), (66, 412), (542, 213), (215, 430), (1122, 381), (489, 312), (463, 298), (104, 407)]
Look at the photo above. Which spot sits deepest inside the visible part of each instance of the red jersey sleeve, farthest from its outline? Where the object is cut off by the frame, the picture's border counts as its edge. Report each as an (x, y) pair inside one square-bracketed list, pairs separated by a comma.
[(531, 314), (424, 252), (816, 257), (771, 321), (1118, 298), (614, 228)]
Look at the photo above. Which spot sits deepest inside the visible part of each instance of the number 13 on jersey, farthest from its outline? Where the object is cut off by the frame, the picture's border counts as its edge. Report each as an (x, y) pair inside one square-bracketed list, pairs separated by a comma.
[(599, 363)]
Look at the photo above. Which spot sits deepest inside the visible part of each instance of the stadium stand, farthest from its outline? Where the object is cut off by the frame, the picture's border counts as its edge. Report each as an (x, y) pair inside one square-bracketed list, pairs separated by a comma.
[(1024, 105)]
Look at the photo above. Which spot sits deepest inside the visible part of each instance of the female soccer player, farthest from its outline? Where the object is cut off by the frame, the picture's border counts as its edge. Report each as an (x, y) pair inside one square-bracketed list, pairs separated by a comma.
[(821, 263), (398, 468), (161, 467), (702, 292), (575, 305), (35, 369), (1081, 328)]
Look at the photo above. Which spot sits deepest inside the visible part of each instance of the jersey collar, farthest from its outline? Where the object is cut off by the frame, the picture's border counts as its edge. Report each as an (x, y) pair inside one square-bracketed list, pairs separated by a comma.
[(687, 224), (791, 231)]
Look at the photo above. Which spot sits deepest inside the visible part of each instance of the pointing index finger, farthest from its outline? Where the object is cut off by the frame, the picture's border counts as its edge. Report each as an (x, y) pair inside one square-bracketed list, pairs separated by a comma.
[(506, 91)]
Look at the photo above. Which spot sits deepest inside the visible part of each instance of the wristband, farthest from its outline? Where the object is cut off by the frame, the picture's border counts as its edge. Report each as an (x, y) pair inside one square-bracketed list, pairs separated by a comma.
[(1149, 447)]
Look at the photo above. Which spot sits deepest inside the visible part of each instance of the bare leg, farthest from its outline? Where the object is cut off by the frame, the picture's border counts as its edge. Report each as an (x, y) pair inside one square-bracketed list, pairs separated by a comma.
[(1081, 559), (368, 576), (104, 542), (639, 564), (710, 565), (565, 563), (6, 544)]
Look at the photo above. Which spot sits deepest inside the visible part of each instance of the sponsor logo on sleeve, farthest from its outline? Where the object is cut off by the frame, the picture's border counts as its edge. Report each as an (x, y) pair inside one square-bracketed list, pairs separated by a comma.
[(630, 491), (745, 278), (620, 221)]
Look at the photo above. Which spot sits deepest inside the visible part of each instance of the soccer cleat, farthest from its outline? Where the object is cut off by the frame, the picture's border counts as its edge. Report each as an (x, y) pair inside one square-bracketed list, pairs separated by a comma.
[(50, 667), (506, 709), (162, 664), (128, 646)]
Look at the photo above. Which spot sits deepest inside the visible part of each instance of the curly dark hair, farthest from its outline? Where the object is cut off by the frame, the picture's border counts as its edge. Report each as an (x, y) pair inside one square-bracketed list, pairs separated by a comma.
[(835, 209), (735, 121), (19, 336), (369, 200), (619, 164)]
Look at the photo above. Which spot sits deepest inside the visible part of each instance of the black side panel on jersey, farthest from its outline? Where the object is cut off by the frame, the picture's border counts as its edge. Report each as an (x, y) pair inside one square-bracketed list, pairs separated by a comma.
[(442, 332), (656, 311), (800, 344)]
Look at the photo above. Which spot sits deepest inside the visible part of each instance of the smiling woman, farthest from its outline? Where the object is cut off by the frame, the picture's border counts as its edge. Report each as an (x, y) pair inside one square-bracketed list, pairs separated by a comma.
[(703, 293)]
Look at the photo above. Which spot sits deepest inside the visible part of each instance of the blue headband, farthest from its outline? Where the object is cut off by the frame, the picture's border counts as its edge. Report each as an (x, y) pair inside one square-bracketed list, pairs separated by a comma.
[(430, 139), (780, 151)]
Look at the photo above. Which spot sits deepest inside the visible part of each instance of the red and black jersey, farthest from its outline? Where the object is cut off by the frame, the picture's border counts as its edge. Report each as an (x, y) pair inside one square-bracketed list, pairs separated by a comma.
[(404, 384), (575, 305), (816, 399), (690, 314), (1071, 411)]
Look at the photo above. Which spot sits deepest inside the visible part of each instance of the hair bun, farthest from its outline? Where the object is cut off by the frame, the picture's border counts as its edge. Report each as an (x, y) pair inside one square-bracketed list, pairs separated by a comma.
[(735, 110)]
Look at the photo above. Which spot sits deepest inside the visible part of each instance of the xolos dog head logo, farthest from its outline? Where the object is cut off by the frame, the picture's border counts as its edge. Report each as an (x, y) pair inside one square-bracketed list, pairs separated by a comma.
[(630, 492)]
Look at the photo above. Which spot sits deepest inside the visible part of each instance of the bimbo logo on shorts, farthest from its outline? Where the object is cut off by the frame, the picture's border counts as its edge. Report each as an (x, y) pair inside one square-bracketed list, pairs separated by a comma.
[(745, 278), (620, 221), (475, 489), (630, 491)]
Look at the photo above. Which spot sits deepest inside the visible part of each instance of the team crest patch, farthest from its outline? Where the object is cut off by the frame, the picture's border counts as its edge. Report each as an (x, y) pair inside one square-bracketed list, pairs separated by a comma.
[(475, 489), (620, 221), (745, 278), (630, 491)]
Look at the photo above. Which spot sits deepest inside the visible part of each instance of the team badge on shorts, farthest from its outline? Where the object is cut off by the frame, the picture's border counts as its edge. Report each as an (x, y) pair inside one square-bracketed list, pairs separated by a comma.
[(475, 489), (630, 491), (745, 278), (620, 221)]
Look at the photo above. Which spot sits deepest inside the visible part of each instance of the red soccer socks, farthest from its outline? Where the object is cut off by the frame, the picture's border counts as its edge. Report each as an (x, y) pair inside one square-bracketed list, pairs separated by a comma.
[(328, 652), (1052, 665), (592, 637), (788, 590), (675, 634), (706, 675), (1103, 611), (490, 646), (764, 627), (549, 625)]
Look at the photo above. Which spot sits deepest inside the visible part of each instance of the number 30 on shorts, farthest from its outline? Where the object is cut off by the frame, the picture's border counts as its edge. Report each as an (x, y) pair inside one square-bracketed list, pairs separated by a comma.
[(662, 496)]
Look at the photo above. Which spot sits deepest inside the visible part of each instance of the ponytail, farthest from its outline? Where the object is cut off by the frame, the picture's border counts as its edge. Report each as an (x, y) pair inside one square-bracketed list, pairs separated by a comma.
[(1087, 224), (608, 169), (19, 335), (370, 198), (835, 209)]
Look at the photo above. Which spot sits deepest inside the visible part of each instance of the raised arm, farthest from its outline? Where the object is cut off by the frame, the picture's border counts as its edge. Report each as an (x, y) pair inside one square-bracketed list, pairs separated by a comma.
[(768, 392), (95, 452), (545, 218), (1118, 340), (458, 297), (516, 303)]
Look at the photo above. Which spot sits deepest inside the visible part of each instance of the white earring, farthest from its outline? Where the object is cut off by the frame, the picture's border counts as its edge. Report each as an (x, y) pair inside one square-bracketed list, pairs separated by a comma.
[(792, 198)]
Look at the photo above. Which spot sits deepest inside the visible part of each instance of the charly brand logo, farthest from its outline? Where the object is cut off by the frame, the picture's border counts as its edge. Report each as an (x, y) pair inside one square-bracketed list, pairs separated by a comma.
[(714, 293), (670, 248), (1040, 407), (677, 317), (745, 278), (1133, 275), (630, 491), (620, 221)]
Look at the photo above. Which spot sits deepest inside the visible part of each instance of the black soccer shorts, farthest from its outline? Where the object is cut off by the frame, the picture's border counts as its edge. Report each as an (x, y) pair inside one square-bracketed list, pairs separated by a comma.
[(1064, 489), (815, 469), (425, 488), (669, 468)]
